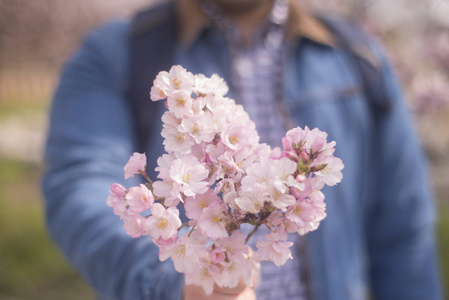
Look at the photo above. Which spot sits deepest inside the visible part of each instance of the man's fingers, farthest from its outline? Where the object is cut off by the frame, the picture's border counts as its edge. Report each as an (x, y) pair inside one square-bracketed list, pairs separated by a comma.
[(241, 292), (230, 291)]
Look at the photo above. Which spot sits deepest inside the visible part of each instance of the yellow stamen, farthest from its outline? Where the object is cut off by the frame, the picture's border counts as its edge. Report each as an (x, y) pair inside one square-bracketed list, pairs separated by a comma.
[(202, 203), (180, 138), (186, 178), (180, 102), (162, 224), (177, 83), (234, 139), (195, 130), (161, 92), (216, 219), (180, 251), (297, 210)]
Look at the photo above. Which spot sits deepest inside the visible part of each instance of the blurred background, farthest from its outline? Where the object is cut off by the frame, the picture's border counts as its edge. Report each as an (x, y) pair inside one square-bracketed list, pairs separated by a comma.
[(37, 37)]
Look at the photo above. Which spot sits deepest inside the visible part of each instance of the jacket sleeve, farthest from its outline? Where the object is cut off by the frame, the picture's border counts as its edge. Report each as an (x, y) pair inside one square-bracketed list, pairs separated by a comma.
[(91, 136), (400, 217)]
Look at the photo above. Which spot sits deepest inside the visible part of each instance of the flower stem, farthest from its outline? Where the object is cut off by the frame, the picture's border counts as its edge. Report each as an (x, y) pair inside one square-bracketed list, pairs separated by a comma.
[(191, 231), (252, 232), (183, 225), (145, 175)]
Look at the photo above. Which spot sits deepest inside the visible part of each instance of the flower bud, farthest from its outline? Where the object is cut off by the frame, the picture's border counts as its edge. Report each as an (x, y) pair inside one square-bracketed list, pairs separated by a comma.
[(304, 157), (291, 155), (300, 178), (318, 168)]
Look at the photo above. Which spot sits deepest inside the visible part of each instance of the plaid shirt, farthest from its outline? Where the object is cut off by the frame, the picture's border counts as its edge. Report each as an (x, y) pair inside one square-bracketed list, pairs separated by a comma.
[(256, 78)]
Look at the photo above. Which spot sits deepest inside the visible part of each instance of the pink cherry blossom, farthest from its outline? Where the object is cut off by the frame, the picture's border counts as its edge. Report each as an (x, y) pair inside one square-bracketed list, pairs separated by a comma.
[(215, 85), (169, 190), (163, 222), (227, 182), (279, 199), (163, 165), (250, 202), (189, 175), (195, 205), (301, 213), (139, 198), (203, 276), (217, 255), (235, 244), (313, 140), (161, 242), (157, 92), (167, 83), (133, 225), (137, 163), (331, 174), (198, 127), (180, 103), (213, 221), (176, 141), (116, 199), (273, 249), (169, 119), (117, 190), (119, 207), (226, 185), (237, 136), (231, 271), (186, 252)]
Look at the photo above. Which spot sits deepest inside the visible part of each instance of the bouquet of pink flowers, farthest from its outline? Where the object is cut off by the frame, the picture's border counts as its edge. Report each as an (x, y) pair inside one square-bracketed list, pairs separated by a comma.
[(217, 169)]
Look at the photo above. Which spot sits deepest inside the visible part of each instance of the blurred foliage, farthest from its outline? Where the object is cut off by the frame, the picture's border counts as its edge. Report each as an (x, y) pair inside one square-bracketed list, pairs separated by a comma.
[(19, 108), (31, 267), (443, 240)]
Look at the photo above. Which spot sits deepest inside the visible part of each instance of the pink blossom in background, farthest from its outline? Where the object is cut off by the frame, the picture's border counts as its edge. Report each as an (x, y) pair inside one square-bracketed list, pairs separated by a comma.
[(438, 47), (430, 93)]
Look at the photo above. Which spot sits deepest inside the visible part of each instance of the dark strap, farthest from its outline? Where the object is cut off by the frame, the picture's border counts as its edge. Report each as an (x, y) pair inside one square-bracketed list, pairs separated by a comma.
[(153, 38), (356, 43)]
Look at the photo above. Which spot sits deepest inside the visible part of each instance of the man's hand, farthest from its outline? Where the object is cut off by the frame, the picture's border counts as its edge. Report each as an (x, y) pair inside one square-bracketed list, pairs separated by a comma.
[(241, 292)]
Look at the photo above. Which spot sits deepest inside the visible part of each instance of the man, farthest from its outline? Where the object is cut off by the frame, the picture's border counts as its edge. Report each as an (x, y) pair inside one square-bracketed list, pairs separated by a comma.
[(287, 69)]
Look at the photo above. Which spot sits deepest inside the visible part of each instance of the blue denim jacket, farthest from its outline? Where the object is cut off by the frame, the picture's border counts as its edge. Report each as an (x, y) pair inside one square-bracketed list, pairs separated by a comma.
[(377, 240)]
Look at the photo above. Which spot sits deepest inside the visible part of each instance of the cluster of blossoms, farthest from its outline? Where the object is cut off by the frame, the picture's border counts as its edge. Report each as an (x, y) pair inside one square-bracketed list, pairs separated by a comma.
[(217, 169)]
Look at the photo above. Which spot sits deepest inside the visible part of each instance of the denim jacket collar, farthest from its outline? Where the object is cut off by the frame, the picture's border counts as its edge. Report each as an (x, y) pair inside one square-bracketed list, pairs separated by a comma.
[(300, 24)]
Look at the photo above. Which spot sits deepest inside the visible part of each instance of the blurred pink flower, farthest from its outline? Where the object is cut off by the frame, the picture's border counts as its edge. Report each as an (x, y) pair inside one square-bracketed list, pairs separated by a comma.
[(430, 93)]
